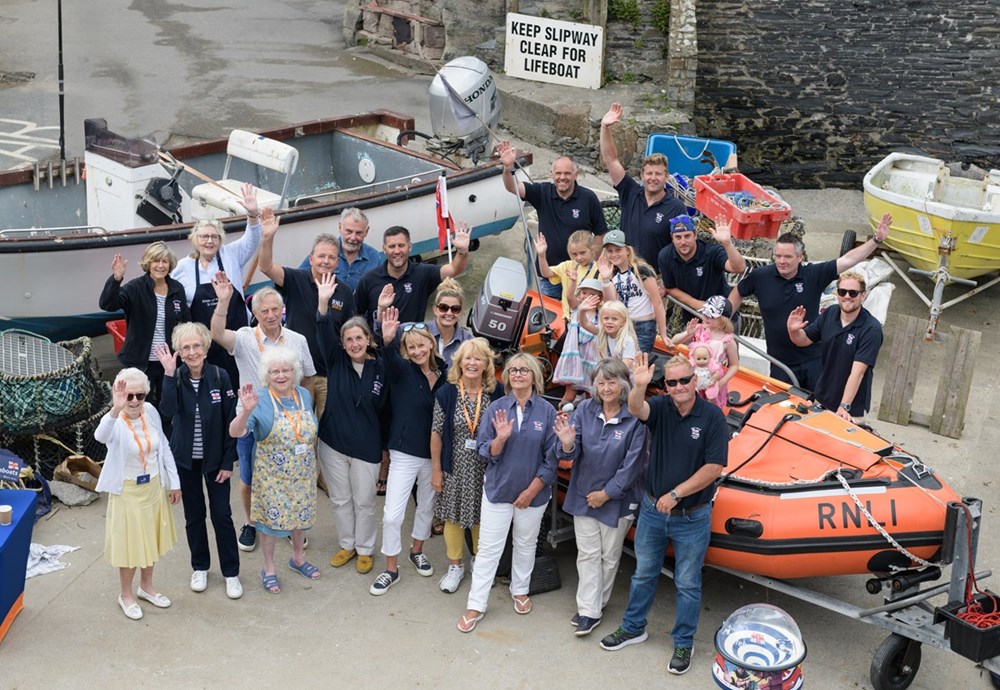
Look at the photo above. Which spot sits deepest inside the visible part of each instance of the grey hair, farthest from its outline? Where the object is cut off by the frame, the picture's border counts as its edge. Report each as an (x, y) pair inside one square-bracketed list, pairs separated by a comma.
[(191, 329), (794, 240), (263, 293), (576, 168), (279, 355), (323, 238), (355, 213), (613, 369), (134, 377)]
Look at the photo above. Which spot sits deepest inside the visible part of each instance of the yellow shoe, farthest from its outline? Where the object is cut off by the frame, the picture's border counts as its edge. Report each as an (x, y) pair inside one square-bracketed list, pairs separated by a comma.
[(365, 564), (342, 557)]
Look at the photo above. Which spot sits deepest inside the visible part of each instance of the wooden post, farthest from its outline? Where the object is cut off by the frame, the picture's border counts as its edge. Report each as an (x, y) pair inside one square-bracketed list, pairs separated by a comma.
[(948, 415), (901, 378), (596, 12), (513, 6)]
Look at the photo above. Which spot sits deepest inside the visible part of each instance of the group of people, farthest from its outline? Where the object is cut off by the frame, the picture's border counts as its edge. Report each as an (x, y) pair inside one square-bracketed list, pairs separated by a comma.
[(340, 379)]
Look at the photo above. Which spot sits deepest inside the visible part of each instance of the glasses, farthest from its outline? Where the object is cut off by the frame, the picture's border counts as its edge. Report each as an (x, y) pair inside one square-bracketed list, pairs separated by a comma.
[(845, 292), (278, 372), (445, 308), (213, 237), (136, 396), (521, 371), (195, 347), (682, 381), (410, 326)]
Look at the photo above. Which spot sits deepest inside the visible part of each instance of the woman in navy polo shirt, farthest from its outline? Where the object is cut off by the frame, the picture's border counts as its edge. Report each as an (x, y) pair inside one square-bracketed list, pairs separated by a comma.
[(416, 373), (607, 445), (517, 442)]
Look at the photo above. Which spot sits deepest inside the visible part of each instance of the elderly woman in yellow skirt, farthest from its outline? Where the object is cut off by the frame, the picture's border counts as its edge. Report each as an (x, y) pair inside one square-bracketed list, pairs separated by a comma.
[(141, 480)]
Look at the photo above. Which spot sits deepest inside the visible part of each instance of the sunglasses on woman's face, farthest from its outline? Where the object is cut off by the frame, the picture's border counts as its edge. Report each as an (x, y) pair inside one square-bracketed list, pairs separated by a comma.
[(445, 308), (845, 292), (410, 326), (136, 396), (682, 381)]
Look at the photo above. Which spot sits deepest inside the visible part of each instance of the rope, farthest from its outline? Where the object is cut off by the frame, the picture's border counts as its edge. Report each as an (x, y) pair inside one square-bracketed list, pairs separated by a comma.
[(881, 530), (697, 157)]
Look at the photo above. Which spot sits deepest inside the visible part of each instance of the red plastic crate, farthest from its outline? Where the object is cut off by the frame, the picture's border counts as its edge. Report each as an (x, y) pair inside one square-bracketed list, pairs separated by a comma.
[(117, 331), (709, 199)]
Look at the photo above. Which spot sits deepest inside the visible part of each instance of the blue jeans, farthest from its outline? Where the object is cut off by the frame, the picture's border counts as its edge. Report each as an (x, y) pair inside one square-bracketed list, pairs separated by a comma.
[(550, 289), (689, 535), (244, 454), (645, 334)]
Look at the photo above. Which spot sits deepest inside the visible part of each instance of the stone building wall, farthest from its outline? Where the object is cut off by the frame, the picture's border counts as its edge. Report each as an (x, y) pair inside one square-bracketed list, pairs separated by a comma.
[(814, 92)]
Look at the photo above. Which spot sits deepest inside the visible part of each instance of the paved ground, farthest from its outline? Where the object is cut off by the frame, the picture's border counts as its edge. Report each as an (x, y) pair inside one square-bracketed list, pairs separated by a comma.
[(197, 69)]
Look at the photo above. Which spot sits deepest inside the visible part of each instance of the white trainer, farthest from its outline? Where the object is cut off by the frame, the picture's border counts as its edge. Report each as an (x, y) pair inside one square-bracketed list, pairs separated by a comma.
[(234, 588), (452, 579), (199, 580)]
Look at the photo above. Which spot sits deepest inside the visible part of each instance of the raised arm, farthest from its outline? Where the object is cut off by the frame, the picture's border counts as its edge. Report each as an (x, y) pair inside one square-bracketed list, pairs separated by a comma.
[(642, 374), (542, 246), (735, 263), (112, 296), (508, 156), (246, 246), (863, 251), (224, 292), (797, 325), (609, 151), (461, 244), (269, 226)]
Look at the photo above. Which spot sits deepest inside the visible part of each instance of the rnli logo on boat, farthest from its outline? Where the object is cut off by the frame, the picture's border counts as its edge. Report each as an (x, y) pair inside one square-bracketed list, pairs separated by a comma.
[(850, 338), (539, 426), (407, 288), (695, 432), (799, 288), (659, 217), (576, 213), (700, 271)]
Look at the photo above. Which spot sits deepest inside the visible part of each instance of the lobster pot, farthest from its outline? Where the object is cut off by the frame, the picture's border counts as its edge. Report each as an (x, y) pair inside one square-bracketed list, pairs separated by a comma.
[(44, 385), (759, 646)]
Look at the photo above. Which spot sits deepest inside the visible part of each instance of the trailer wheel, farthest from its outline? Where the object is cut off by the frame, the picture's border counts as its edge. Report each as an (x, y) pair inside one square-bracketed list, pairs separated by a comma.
[(895, 663), (847, 244)]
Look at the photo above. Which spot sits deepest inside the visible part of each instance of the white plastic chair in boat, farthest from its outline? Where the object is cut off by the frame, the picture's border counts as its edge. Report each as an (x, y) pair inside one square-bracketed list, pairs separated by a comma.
[(222, 199)]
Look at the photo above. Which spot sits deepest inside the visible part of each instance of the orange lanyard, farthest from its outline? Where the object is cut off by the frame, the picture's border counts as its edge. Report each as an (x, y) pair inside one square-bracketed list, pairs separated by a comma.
[(149, 441), (297, 421), (260, 345), (479, 404)]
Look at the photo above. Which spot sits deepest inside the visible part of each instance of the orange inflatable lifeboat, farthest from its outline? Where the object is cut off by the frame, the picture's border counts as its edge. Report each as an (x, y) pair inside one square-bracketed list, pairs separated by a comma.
[(805, 493)]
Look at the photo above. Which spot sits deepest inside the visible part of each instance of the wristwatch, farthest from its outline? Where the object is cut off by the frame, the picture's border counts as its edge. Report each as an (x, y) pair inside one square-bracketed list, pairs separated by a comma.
[(846, 406), (674, 497)]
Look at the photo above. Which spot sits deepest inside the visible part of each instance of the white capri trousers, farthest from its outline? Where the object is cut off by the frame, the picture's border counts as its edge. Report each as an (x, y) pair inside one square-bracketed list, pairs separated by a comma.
[(404, 470), (351, 485), (495, 521), (598, 553)]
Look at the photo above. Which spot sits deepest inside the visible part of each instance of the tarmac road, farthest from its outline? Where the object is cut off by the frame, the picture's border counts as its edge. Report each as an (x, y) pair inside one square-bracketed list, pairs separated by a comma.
[(197, 70)]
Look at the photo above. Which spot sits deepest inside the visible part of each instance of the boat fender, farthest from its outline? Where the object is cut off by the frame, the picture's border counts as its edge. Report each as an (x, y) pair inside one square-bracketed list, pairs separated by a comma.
[(742, 527)]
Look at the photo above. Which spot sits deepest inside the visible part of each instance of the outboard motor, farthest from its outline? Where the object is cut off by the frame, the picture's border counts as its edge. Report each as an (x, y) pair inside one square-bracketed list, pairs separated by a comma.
[(461, 115), (498, 313)]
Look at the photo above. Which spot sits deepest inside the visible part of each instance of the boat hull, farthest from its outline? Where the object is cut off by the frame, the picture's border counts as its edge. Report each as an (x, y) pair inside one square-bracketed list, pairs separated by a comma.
[(928, 204)]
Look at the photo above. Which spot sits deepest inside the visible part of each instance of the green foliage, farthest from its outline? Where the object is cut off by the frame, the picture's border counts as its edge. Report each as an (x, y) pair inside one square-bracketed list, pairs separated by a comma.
[(639, 44), (661, 16), (624, 10), (629, 78)]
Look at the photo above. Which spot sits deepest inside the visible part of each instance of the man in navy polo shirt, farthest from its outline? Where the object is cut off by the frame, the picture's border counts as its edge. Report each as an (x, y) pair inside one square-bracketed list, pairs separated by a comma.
[(646, 208), (412, 283), (356, 257), (694, 270), (788, 283), (563, 207), (298, 287), (851, 338), (688, 449)]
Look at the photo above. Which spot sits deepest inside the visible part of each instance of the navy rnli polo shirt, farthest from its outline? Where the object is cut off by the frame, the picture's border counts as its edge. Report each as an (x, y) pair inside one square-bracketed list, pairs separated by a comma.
[(702, 276), (559, 218), (859, 341), (646, 227)]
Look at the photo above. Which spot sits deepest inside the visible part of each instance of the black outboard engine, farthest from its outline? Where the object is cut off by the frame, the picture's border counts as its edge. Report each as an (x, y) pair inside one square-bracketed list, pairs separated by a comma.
[(498, 314)]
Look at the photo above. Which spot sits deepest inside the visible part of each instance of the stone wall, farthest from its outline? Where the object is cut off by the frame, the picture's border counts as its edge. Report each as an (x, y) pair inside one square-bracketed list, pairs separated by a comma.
[(814, 92)]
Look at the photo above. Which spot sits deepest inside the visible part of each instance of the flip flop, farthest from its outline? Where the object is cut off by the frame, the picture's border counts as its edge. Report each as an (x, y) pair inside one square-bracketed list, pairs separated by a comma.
[(306, 570), (467, 625), (521, 607), (270, 583)]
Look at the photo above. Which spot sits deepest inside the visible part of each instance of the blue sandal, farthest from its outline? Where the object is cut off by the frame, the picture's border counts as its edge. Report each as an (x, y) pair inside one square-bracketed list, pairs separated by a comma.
[(270, 583), (306, 570)]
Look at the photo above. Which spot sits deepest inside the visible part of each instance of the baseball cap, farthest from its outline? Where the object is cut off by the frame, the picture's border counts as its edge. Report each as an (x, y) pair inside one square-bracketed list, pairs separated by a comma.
[(590, 284), (682, 223), (714, 307), (615, 237)]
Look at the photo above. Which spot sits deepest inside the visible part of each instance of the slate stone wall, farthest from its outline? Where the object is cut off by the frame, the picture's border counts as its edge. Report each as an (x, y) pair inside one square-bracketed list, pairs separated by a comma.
[(814, 92)]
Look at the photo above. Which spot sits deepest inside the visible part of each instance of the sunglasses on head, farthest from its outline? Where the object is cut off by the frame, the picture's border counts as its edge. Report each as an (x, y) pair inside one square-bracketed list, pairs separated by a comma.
[(682, 381), (136, 396), (845, 292), (410, 326), (445, 308)]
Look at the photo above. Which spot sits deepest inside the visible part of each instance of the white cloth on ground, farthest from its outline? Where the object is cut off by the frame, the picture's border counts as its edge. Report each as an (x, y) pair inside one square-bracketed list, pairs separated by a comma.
[(45, 559)]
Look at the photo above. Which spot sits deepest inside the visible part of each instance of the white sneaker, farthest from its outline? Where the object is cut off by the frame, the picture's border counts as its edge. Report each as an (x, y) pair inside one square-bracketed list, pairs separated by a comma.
[(452, 579), (234, 588), (199, 581)]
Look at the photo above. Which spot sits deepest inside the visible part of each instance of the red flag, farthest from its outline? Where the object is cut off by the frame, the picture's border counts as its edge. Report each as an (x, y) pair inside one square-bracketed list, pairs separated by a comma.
[(441, 207)]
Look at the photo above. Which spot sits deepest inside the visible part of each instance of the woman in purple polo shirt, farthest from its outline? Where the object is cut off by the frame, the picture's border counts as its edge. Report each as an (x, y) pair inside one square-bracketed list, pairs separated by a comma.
[(607, 445), (517, 442)]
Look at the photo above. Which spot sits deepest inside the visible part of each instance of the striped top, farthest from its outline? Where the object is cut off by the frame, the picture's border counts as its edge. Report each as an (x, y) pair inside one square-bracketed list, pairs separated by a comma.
[(197, 444)]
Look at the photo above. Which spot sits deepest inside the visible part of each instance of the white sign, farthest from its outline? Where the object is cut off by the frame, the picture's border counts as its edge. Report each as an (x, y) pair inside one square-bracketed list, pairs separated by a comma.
[(554, 51)]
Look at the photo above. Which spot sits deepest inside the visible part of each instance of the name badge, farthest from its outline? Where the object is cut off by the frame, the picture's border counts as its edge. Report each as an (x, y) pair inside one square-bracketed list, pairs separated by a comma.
[(301, 448), (470, 444), (142, 479)]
